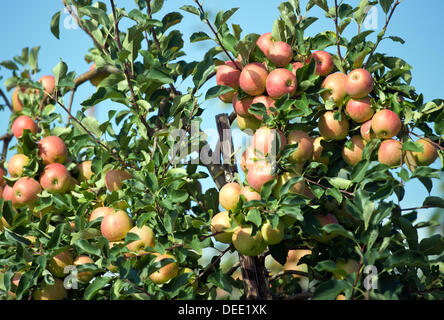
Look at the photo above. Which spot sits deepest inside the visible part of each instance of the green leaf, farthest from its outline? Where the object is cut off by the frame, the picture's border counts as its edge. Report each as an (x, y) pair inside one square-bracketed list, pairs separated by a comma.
[(254, 216), (340, 183), (14, 238), (33, 57), (434, 202), (359, 171), (199, 36), (56, 236), (433, 245), (216, 91), (412, 146), (55, 24), (170, 20), (190, 9), (386, 4), (9, 65), (87, 247), (59, 71), (330, 289), (337, 229), (95, 286), (405, 258), (410, 232), (267, 189)]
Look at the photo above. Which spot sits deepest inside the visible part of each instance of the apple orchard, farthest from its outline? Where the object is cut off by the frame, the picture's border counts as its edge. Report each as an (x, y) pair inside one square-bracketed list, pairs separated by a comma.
[(116, 210)]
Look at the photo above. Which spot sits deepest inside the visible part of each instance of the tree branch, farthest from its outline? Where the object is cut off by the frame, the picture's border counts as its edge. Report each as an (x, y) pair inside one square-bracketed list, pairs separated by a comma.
[(285, 272), (337, 31), (6, 99)]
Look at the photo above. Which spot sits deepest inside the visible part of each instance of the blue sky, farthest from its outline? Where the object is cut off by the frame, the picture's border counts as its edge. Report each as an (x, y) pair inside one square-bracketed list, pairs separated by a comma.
[(419, 23)]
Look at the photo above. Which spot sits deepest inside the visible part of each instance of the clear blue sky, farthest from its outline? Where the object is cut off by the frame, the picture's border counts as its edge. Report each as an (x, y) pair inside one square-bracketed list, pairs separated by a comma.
[(419, 23)]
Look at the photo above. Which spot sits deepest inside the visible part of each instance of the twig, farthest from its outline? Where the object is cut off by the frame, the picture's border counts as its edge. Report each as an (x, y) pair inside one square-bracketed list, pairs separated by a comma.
[(233, 269), (71, 100), (324, 187), (337, 30), (300, 296), (417, 208), (285, 272), (430, 141), (6, 140), (138, 288), (211, 265), (6, 99)]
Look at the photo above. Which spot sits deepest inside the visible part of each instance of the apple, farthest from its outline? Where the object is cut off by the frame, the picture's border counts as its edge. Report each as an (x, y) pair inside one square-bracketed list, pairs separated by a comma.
[(52, 149), (359, 110), (296, 66), (84, 276), (55, 291), (354, 155), (428, 156), (292, 262), (229, 195), (167, 272), (55, 178), (228, 75), (241, 106), (146, 236), (23, 123), (220, 223), (282, 179), (366, 131), (359, 83), (248, 124), (323, 221), (253, 78), (246, 243), (85, 170), (114, 179), (16, 165), (280, 53), (270, 235), (335, 83), (249, 194), (260, 173), (95, 81), (304, 150), (341, 297), (317, 152), (281, 82), (100, 212), (58, 263), (265, 140), (390, 152), (264, 42), (350, 266), (249, 157), (324, 62), (332, 129), (115, 225), (266, 101), (8, 194), (17, 104), (386, 124), (48, 83), (25, 191)]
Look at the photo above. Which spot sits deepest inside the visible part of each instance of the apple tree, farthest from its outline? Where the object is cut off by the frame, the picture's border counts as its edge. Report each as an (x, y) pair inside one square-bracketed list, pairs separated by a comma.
[(122, 209)]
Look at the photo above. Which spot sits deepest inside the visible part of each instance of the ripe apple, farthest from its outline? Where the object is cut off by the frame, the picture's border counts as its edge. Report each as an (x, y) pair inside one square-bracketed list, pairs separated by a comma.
[(335, 83), (85, 170), (359, 110), (246, 243), (264, 42), (228, 75), (390, 152), (304, 150), (324, 62), (323, 221), (52, 149), (366, 131), (249, 157), (48, 83), (229, 195), (359, 83), (241, 106), (317, 152), (115, 225), (55, 178), (95, 81), (332, 129), (292, 262), (16, 165), (428, 156), (252, 78), (296, 66), (147, 239), (167, 272), (17, 104), (248, 124), (84, 276), (25, 191), (56, 291), (249, 194), (282, 179), (266, 101), (58, 263), (354, 155), (260, 173), (8, 194), (280, 53), (281, 82), (114, 179), (100, 212), (265, 140), (341, 297), (350, 266), (270, 235), (21, 123), (220, 223), (386, 124)]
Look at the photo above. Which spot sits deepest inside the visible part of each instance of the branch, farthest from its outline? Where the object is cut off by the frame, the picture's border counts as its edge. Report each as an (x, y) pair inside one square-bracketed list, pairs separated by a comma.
[(283, 273), (337, 31), (300, 296), (93, 73), (324, 187), (209, 267), (6, 140), (432, 142), (6, 99)]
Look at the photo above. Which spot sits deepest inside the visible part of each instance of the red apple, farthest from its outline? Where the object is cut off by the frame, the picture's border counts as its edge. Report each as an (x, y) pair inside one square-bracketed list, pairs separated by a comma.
[(116, 225), (220, 223), (390, 152), (146, 236), (260, 173), (249, 157), (324, 62), (167, 272), (386, 124), (335, 83), (22, 123), (359, 110), (55, 178), (280, 53), (366, 132), (48, 83), (354, 155), (8, 194), (100, 212), (332, 129), (228, 75), (281, 82), (304, 150), (241, 106), (265, 141), (114, 179), (359, 83), (229, 195), (16, 165), (266, 101), (26, 191), (249, 194), (296, 66), (17, 104), (84, 276), (252, 78), (52, 149), (428, 156), (264, 42), (317, 152)]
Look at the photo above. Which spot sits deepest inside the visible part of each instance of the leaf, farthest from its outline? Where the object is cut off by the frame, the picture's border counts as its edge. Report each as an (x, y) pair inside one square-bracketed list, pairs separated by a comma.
[(267, 189), (405, 258), (199, 36), (279, 252), (33, 57), (254, 216), (56, 236), (386, 4), (397, 39), (87, 247), (330, 289), (434, 202), (412, 146), (95, 286), (59, 71), (216, 91), (337, 229), (170, 20), (359, 171), (55, 24), (410, 232), (190, 9), (9, 65), (14, 238), (433, 245), (340, 183)]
